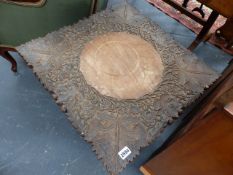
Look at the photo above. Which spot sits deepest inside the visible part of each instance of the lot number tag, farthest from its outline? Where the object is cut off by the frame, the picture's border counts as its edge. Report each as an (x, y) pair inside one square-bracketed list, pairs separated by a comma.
[(124, 153)]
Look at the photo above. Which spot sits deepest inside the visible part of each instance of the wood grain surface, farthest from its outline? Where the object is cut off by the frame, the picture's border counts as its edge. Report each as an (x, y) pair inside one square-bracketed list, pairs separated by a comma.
[(121, 65), (204, 146), (206, 149)]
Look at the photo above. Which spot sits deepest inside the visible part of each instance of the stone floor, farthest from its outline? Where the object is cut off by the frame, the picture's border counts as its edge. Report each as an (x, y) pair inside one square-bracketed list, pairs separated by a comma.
[(35, 136)]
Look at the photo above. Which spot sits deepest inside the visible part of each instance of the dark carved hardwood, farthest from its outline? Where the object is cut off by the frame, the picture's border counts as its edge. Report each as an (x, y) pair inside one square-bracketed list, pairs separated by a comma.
[(183, 10), (201, 36), (185, 3), (4, 52), (199, 10)]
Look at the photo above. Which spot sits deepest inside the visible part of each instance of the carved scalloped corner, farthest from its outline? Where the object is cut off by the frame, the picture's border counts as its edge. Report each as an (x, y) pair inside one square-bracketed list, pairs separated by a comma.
[(109, 132)]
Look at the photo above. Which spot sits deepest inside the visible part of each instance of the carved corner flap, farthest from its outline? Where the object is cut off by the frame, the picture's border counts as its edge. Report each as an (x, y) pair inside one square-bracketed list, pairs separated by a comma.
[(32, 3)]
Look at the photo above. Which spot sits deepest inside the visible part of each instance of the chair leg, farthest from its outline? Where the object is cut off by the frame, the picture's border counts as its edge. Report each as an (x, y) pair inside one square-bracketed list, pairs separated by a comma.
[(94, 4), (4, 52), (201, 36), (225, 32), (229, 45), (185, 3)]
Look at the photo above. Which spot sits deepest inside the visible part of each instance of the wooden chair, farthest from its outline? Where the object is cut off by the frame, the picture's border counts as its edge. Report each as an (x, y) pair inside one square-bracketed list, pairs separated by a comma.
[(24, 20), (224, 8), (205, 144)]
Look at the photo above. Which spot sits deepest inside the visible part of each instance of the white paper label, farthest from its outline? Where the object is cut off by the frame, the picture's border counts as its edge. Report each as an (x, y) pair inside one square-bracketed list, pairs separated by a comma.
[(124, 153)]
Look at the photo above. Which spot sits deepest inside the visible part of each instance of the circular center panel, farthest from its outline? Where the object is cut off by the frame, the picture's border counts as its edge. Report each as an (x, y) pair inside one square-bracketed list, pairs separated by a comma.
[(121, 65)]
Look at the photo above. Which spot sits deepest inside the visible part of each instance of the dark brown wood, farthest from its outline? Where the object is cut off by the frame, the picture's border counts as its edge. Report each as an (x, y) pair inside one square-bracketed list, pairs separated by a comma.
[(94, 6), (226, 32), (219, 7), (4, 52), (201, 36), (199, 10), (185, 11), (206, 24), (185, 3), (206, 149), (224, 7)]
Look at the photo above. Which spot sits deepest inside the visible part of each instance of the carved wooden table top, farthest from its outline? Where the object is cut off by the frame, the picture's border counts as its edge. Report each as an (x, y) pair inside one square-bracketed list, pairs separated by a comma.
[(120, 79)]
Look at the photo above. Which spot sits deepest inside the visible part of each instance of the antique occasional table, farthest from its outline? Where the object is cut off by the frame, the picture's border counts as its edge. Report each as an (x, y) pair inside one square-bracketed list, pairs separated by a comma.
[(119, 78)]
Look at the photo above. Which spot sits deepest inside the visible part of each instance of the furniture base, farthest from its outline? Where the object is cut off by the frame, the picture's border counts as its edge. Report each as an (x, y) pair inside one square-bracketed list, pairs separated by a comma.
[(4, 52), (226, 32), (203, 33)]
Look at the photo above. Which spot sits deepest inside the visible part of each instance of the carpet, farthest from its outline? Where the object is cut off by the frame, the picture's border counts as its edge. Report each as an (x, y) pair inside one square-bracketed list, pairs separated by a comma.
[(86, 80), (191, 24)]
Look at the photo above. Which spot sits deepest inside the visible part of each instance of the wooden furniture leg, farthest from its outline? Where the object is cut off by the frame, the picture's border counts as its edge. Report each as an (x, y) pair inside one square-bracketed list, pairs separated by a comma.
[(94, 4), (200, 37), (226, 32), (185, 3), (4, 52)]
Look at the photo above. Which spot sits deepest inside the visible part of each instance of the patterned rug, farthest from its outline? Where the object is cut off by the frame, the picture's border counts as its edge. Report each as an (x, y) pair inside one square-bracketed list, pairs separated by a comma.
[(191, 24), (117, 127)]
